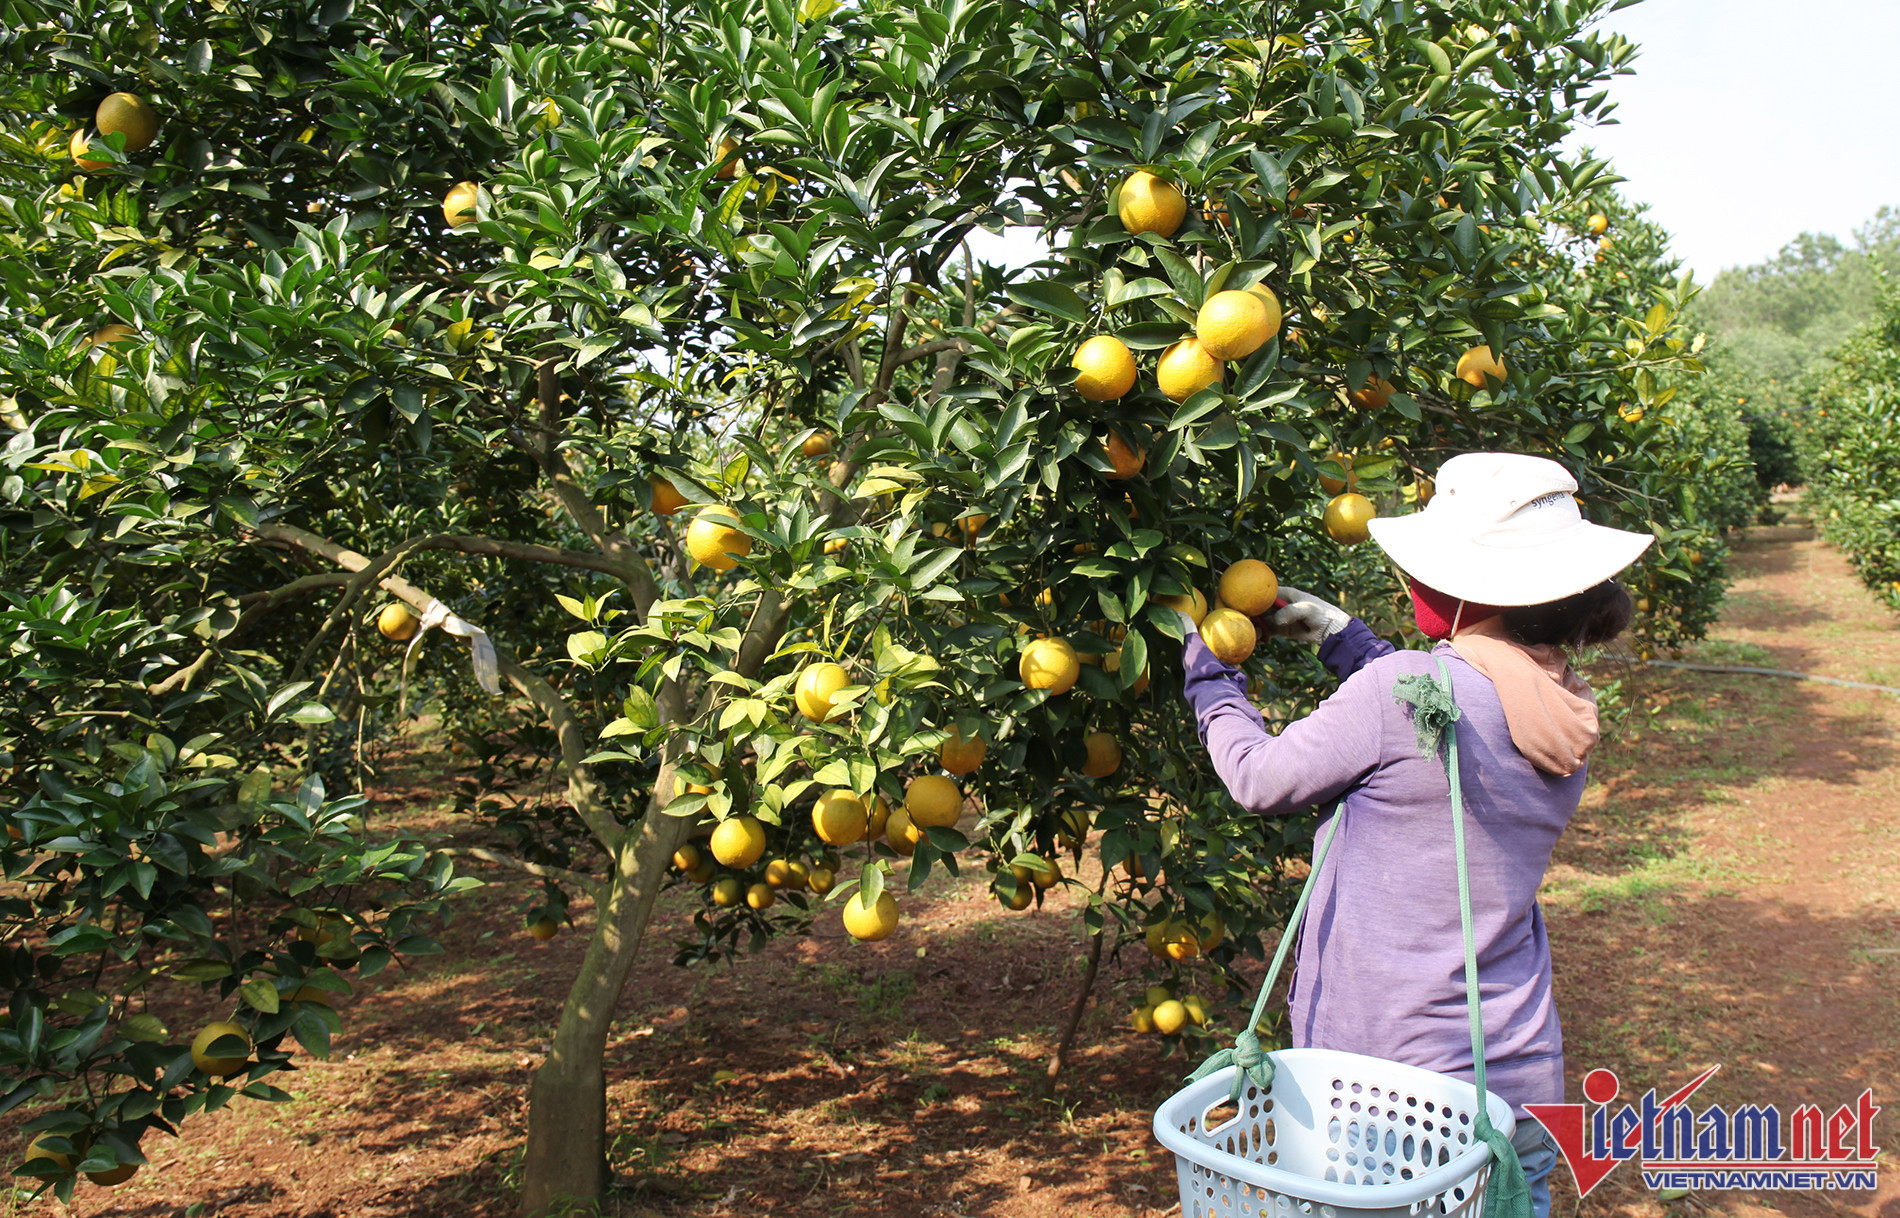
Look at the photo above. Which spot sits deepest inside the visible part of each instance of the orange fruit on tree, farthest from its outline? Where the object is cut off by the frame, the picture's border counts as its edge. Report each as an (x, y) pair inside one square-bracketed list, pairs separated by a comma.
[(1126, 459), (1105, 755), (817, 444), (219, 1066), (880, 816), (1149, 204), (1374, 394), (867, 923), (460, 203), (703, 871), (38, 1149), (821, 880), (1272, 303), (1142, 1019), (1050, 664), (78, 146), (1331, 485), (1229, 634), (1478, 367), (1017, 898), (1104, 368), (1249, 586), (728, 892), (1233, 325), (839, 818), (666, 497), (397, 623), (687, 857), (1185, 369), (1347, 516), (1038, 871), (961, 756), (815, 688), (726, 156), (760, 896), (1597, 224), (1112, 664), (1196, 1010), (713, 541), (900, 834), (1191, 603), (931, 800), (129, 115), (1170, 1017), (544, 928), (739, 841), (115, 1176)]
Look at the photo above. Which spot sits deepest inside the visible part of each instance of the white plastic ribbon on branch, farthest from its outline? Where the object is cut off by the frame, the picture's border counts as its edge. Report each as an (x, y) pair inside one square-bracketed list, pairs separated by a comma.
[(481, 650)]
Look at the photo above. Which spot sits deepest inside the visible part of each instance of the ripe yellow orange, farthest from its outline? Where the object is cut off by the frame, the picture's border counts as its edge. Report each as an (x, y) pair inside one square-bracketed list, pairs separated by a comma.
[(1196, 1009), (1186, 369), (1477, 367), (713, 541), (728, 892), (1272, 302), (739, 841), (1180, 944), (396, 623), (129, 115), (1597, 224), (459, 204), (687, 857), (1374, 394), (1249, 586), (1232, 325), (219, 1067), (821, 880), (1149, 204), (666, 497), (115, 1176), (1017, 898), (1104, 368), (900, 834), (1155, 935), (815, 688), (1170, 1017), (1191, 603), (38, 1149), (1126, 459), (960, 756), (880, 818), (817, 444), (839, 818), (702, 872), (1105, 755), (779, 873), (869, 923), (1050, 664), (1347, 516), (1213, 931), (727, 158), (1143, 1019), (544, 928), (78, 147), (760, 896), (1229, 634), (1038, 871), (931, 800), (837, 545)]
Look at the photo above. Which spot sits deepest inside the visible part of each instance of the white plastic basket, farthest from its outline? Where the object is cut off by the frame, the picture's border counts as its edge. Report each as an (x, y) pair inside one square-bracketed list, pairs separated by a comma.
[(1339, 1135)]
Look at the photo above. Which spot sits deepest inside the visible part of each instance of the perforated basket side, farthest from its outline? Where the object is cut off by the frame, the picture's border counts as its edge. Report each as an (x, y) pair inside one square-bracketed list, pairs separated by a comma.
[(1338, 1130)]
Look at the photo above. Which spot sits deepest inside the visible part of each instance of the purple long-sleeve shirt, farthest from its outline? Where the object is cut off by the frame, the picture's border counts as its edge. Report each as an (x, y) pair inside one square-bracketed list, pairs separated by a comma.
[(1380, 966)]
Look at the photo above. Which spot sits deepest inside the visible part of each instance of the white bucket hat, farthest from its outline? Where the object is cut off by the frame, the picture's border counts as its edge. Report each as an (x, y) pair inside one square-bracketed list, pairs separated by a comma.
[(1503, 529)]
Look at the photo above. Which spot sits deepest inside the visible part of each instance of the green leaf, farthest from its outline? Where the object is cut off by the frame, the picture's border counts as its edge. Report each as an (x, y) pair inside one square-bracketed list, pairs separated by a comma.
[(260, 995), (1048, 296)]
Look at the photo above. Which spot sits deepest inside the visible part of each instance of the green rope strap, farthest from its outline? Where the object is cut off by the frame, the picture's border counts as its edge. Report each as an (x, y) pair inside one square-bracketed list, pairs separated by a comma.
[(1508, 1194)]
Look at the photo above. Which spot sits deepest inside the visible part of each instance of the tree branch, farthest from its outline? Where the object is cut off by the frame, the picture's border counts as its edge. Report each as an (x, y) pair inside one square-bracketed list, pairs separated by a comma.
[(580, 879)]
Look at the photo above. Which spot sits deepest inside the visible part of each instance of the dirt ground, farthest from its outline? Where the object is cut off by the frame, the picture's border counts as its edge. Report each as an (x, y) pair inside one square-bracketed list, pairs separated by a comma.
[(1726, 895)]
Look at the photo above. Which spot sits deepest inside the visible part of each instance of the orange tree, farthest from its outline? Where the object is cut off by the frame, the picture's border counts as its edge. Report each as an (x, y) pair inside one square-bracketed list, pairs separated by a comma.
[(476, 307), (1850, 436)]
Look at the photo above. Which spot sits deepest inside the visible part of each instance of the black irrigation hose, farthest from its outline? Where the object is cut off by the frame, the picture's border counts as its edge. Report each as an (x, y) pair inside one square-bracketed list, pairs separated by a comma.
[(1770, 672)]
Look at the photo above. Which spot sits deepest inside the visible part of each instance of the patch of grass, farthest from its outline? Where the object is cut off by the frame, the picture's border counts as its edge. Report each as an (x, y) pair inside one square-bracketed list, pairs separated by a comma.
[(880, 998)]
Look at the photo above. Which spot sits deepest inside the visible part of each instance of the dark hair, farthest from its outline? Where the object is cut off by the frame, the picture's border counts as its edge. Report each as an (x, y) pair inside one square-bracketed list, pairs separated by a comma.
[(1588, 619)]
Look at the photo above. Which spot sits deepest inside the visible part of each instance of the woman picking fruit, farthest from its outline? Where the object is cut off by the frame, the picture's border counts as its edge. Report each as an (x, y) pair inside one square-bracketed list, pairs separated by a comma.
[(1505, 575)]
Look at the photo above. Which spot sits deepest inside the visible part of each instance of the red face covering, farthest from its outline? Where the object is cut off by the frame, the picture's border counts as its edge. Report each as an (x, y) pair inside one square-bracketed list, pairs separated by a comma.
[(1436, 612)]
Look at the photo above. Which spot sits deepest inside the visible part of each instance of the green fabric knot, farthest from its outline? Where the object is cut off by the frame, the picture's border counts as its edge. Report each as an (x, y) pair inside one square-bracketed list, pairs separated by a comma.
[(1433, 711), (1252, 1061), (1507, 1194)]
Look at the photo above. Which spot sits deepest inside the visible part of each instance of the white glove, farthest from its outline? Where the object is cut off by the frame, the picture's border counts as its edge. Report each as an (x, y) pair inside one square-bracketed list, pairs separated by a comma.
[(1306, 618)]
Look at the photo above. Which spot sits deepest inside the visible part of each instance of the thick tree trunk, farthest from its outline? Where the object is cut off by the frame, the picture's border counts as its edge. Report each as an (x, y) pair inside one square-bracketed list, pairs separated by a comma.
[(567, 1104)]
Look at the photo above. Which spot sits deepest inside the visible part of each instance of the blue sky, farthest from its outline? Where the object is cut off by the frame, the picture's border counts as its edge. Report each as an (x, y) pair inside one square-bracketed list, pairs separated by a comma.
[(1749, 122)]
